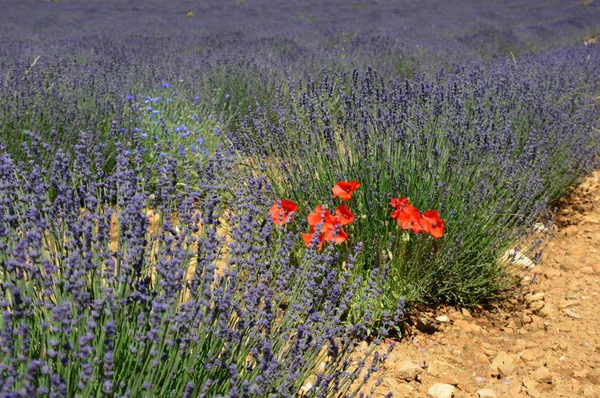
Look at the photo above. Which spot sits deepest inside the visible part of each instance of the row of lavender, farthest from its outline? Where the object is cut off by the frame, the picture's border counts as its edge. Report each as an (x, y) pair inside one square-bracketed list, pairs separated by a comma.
[(157, 271), (53, 78), (187, 290)]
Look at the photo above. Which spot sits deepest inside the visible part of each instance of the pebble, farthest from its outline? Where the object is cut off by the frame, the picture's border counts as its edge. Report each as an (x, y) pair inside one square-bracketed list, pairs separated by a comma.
[(407, 370), (590, 391), (591, 220), (536, 305), (481, 358), (439, 390), (572, 313), (463, 325), (568, 303), (502, 364), (486, 393), (547, 310), (587, 271), (535, 297), (529, 355), (531, 388), (542, 375), (571, 230), (443, 318), (581, 374)]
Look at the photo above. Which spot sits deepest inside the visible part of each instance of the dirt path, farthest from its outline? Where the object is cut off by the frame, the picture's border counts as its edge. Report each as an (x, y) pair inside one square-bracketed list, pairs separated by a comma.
[(548, 345)]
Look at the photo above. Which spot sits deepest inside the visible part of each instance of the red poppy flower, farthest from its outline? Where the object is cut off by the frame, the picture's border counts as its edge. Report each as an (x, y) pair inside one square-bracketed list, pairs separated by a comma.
[(280, 211), (407, 217), (331, 230), (307, 238), (319, 215), (397, 202), (344, 189), (432, 223), (332, 237), (344, 215)]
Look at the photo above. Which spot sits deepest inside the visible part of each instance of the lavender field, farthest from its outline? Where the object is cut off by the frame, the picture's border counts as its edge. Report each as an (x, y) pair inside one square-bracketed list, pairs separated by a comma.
[(229, 198)]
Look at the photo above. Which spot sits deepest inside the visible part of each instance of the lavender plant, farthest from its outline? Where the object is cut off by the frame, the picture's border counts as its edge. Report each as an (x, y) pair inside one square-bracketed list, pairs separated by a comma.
[(167, 296), (78, 79), (490, 147)]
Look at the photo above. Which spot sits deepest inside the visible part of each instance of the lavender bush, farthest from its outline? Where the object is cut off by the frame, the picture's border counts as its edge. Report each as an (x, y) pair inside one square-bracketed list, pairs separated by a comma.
[(169, 295), (490, 147)]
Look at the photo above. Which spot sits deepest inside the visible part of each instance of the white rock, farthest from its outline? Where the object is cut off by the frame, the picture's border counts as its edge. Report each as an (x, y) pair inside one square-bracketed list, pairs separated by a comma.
[(572, 313), (443, 318), (439, 390)]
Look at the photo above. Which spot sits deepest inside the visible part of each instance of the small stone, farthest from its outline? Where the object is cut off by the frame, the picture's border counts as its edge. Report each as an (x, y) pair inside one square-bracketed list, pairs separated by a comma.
[(536, 305), (545, 387), (503, 364), (486, 393), (581, 374), (407, 370), (542, 375), (594, 376), (590, 391), (529, 355), (433, 369), (568, 303), (466, 313), (443, 318), (481, 358), (439, 390), (535, 297), (476, 329), (531, 388), (463, 325), (466, 387), (572, 313), (587, 271), (571, 230), (454, 315), (390, 363), (453, 381), (547, 310), (591, 219)]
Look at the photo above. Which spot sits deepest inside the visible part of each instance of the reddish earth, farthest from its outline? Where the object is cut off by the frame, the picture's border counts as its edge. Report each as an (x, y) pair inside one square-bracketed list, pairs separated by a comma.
[(545, 342)]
